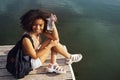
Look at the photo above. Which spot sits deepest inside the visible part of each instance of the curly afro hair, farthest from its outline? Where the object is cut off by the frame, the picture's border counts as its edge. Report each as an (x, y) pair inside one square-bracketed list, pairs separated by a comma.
[(27, 20)]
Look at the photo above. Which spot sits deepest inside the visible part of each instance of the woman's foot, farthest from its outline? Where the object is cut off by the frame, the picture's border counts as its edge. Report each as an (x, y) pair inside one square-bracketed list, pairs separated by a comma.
[(55, 68), (74, 58)]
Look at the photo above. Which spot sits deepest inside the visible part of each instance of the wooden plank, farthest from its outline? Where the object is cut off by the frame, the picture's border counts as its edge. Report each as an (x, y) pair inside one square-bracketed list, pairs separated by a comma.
[(71, 70), (4, 50), (4, 57), (47, 76), (2, 64), (38, 74), (7, 78), (6, 46), (59, 61), (41, 70)]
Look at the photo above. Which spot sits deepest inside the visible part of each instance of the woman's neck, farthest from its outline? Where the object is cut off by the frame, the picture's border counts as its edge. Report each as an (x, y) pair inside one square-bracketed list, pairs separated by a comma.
[(33, 34), (36, 39)]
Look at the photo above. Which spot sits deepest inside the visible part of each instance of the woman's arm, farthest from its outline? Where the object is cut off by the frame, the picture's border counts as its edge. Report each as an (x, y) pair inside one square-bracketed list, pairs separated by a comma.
[(54, 35), (28, 48), (55, 32)]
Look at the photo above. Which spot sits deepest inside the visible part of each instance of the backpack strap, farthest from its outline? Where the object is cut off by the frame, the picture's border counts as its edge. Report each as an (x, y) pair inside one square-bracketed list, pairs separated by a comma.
[(30, 38)]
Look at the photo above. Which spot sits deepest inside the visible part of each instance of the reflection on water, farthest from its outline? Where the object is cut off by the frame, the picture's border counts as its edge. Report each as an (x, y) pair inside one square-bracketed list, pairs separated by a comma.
[(88, 26)]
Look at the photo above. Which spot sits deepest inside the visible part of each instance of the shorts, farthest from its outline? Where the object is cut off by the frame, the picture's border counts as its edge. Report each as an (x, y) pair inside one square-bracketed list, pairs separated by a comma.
[(36, 63)]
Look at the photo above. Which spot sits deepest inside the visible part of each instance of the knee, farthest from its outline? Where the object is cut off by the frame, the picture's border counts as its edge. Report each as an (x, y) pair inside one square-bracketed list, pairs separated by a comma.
[(53, 50), (54, 53)]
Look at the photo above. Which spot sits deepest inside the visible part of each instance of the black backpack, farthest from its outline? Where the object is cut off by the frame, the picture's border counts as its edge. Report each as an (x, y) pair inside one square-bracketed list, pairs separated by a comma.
[(17, 65)]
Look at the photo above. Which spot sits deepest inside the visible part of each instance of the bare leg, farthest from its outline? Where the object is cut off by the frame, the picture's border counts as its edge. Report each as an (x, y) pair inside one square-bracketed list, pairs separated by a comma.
[(53, 53), (53, 57), (58, 49), (43, 57)]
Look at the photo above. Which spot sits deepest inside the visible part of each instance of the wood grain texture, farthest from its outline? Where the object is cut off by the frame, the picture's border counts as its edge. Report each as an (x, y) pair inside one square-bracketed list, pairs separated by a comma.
[(38, 74)]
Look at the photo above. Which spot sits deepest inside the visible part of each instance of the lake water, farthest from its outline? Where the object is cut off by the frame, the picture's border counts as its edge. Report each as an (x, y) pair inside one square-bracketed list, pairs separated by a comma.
[(87, 26)]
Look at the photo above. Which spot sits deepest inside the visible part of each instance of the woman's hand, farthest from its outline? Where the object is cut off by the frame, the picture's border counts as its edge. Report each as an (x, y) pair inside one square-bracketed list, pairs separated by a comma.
[(54, 34), (55, 18), (52, 17)]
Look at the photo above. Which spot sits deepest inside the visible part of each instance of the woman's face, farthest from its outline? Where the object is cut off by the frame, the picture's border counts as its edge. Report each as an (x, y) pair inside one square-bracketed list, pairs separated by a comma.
[(38, 26)]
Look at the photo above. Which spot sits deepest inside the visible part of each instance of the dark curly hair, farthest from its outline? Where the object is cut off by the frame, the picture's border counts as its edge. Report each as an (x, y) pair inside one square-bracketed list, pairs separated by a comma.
[(27, 20)]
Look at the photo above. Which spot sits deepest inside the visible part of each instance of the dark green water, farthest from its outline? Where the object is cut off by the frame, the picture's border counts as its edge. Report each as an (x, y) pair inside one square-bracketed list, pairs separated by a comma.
[(87, 26)]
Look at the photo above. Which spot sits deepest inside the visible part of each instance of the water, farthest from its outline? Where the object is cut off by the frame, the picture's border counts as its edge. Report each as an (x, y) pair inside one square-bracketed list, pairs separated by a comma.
[(87, 26)]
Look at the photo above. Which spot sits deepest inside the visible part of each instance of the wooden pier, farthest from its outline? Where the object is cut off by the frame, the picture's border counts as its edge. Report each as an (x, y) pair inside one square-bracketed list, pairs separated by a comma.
[(38, 74)]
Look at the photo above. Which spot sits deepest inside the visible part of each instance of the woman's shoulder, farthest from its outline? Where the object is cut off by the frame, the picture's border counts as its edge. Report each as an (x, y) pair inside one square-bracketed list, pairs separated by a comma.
[(27, 40)]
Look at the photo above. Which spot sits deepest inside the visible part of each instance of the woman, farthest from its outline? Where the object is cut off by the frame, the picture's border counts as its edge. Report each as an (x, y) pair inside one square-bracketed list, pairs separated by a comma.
[(34, 22)]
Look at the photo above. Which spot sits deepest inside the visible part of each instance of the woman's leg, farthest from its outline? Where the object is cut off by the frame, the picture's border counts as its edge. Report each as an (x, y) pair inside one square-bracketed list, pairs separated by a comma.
[(44, 56), (58, 49), (53, 53), (53, 57)]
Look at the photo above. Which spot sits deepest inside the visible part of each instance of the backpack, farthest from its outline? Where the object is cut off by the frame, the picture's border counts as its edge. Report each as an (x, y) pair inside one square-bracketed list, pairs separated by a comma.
[(17, 65)]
